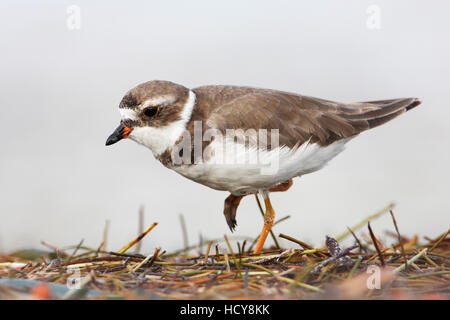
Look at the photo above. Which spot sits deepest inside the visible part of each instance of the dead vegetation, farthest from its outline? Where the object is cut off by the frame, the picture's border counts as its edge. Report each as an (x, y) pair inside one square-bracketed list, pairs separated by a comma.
[(369, 269)]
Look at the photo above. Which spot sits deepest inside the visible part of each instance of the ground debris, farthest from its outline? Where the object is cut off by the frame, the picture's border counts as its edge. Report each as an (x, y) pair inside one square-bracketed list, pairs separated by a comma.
[(217, 271)]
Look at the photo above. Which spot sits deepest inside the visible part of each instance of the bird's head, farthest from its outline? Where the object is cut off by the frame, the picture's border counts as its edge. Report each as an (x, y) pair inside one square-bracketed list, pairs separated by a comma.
[(154, 114)]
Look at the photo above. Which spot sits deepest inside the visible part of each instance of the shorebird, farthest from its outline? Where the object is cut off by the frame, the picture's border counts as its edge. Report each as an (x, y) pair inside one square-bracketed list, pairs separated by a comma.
[(304, 133)]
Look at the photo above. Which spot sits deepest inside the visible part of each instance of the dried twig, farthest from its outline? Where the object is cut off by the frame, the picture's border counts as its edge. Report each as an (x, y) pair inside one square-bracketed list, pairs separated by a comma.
[(184, 230), (299, 242), (400, 242), (105, 236), (139, 238), (412, 260), (439, 241), (364, 221), (375, 243), (361, 247), (140, 228)]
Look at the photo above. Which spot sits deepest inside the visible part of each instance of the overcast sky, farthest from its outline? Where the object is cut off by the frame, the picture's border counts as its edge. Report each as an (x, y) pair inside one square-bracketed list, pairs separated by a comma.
[(60, 87)]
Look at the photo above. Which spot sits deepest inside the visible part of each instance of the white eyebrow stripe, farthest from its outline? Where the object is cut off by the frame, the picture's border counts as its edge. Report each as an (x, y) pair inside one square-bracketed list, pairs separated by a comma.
[(126, 113), (166, 99)]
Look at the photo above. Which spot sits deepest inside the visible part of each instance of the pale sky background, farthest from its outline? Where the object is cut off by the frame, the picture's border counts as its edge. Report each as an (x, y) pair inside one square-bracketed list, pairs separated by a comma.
[(60, 90)]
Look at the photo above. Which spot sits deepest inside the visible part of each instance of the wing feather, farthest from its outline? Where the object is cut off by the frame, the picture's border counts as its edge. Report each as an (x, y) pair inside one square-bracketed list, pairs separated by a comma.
[(302, 118)]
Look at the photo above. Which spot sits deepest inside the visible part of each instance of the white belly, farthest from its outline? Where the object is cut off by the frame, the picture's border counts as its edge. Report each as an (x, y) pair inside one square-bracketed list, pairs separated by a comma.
[(242, 170)]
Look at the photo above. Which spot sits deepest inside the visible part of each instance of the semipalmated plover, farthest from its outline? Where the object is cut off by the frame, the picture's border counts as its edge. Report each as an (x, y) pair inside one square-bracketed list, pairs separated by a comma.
[(244, 140)]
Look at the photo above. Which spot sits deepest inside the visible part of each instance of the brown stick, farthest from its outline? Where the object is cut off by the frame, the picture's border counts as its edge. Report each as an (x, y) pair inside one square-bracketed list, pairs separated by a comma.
[(375, 243), (439, 241), (301, 243), (400, 240), (357, 240)]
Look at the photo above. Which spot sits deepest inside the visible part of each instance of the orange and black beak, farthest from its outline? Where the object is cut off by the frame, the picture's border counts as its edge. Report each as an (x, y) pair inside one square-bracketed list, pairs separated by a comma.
[(120, 133)]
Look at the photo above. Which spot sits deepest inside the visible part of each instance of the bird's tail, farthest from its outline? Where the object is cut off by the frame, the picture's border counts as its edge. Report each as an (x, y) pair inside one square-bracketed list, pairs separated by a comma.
[(383, 111), (372, 114)]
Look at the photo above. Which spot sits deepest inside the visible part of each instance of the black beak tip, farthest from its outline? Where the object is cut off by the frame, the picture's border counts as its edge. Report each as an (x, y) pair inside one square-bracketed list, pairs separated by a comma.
[(111, 140), (117, 135)]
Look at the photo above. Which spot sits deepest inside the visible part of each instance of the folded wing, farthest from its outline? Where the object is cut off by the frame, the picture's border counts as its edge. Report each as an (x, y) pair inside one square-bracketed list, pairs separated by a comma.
[(302, 118)]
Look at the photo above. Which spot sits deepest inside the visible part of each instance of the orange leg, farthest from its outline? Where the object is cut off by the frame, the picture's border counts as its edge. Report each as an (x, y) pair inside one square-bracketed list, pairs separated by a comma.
[(269, 218)]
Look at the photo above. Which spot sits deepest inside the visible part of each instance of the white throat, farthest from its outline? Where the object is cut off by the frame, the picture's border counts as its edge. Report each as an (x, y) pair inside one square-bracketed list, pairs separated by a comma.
[(160, 139)]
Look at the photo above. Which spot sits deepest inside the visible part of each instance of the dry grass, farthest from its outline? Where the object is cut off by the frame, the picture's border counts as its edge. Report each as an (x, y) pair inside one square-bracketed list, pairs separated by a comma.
[(407, 270)]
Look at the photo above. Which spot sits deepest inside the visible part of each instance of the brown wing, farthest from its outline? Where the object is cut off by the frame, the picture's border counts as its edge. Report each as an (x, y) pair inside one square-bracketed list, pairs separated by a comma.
[(300, 118)]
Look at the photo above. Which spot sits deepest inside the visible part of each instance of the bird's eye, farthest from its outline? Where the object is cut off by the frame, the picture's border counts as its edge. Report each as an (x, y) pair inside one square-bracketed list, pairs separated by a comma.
[(151, 111)]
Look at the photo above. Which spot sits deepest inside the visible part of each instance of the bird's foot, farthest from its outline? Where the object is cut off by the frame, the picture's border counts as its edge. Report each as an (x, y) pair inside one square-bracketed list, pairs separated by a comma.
[(230, 208)]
